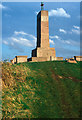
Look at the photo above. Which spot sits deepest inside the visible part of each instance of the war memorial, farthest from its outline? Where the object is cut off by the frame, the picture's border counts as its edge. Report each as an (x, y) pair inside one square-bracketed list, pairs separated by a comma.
[(43, 52)]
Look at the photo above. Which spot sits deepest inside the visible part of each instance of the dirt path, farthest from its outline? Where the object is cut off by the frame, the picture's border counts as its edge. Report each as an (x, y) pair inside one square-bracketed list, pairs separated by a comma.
[(65, 105)]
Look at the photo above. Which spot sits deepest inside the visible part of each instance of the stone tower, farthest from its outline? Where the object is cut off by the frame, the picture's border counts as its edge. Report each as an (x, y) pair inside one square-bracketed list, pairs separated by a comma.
[(43, 52), (42, 29)]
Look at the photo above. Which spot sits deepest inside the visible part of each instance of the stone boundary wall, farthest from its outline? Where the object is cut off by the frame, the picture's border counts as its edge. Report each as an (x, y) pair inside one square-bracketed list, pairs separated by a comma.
[(78, 58), (59, 58), (39, 59), (19, 59)]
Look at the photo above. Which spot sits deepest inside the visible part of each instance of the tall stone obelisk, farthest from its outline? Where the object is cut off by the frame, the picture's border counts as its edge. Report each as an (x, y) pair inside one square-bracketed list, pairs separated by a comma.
[(42, 29), (43, 52)]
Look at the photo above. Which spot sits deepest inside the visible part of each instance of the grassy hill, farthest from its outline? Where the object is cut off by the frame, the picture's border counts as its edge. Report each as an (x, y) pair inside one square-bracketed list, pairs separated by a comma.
[(41, 90)]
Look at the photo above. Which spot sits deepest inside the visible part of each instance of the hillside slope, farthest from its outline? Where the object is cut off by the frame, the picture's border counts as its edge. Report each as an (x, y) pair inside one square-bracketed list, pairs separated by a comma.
[(41, 90)]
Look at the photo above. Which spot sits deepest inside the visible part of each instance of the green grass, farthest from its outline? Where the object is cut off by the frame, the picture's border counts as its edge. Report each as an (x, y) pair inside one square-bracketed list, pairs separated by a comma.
[(41, 90)]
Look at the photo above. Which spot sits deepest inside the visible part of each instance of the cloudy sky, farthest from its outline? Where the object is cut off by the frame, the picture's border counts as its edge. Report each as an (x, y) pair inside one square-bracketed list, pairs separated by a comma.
[(19, 28)]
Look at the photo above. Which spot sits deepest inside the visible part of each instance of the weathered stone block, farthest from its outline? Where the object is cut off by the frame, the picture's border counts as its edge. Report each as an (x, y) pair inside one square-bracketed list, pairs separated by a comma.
[(71, 61), (20, 59), (38, 59), (78, 58), (59, 58)]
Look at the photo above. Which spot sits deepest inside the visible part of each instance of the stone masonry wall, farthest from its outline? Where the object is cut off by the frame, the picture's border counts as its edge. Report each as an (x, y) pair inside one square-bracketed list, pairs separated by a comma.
[(59, 58), (21, 59), (39, 59), (78, 58), (45, 52)]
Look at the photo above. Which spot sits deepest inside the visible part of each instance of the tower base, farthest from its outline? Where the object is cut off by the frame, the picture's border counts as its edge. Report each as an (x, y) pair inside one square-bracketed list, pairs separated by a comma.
[(43, 54)]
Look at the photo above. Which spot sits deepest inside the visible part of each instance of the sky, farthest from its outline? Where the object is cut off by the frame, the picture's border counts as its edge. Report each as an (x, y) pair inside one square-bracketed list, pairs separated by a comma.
[(19, 28)]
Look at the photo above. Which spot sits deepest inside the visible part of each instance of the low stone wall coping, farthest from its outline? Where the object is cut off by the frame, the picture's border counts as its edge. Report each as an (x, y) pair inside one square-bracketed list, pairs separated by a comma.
[(21, 56), (78, 56)]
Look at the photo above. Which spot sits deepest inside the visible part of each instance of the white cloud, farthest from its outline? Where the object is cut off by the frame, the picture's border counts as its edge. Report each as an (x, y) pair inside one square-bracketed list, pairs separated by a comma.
[(66, 41), (51, 41), (76, 30), (2, 7), (56, 37), (20, 33), (26, 34), (32, 36), (77, 27), (62, 30), (36, 12), (14, 39), (60, 12), (70, 42), (5, 42), (22, 41)]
